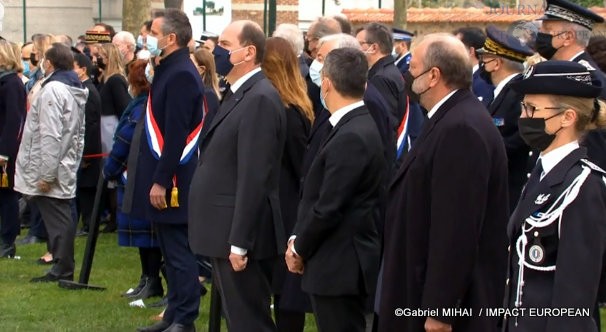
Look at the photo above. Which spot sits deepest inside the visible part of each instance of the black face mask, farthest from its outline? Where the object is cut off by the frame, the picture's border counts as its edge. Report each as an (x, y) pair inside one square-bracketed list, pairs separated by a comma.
[(33, 59), (408, 81), (543, 45), (532, 131), (484, 74), (101, 64)]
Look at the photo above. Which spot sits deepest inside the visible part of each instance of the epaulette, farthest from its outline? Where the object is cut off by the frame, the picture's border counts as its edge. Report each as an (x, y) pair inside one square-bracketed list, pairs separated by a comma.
[(593, 166), (587, 65)]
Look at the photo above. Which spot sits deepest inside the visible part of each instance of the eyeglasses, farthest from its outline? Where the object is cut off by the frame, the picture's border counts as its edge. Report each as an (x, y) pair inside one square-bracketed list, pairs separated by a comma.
[(366, 42), (530, 109)]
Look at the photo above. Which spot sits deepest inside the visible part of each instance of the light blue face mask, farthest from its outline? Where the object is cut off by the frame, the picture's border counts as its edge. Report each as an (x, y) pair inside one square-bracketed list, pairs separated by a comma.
[(322, 98), (140, 42), (26, 70), (152, 45), (314, 72)]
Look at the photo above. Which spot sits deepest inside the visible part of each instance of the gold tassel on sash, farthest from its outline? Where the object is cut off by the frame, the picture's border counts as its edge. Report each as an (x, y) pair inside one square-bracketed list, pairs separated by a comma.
[(174, 197), (4, 182)]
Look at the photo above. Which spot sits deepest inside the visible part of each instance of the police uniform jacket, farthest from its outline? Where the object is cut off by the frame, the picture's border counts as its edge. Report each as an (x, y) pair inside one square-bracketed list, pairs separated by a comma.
[(565, 255)]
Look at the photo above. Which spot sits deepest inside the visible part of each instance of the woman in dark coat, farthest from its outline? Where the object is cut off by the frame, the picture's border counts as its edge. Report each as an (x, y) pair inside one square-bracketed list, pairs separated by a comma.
[(558, 230), (281, 67), (133, 232), (12, 118)]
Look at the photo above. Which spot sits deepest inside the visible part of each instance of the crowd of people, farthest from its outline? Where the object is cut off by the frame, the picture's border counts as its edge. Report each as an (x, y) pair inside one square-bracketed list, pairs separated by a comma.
[(381, 180)]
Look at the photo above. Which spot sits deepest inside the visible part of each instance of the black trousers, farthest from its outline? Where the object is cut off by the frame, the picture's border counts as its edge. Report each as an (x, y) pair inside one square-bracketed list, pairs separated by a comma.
[(246, 295), (85, 200), (181, 273), (9, 215), (339, 313), (57, 216)]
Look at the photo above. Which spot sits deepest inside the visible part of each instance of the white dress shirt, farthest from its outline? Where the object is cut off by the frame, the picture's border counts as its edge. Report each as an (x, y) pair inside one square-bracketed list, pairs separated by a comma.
[(435, 107), (340, 113), (550, 159)]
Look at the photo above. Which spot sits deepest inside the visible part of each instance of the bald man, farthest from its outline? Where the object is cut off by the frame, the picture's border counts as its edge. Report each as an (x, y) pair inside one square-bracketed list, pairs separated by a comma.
[(445, 233), (234, 215)]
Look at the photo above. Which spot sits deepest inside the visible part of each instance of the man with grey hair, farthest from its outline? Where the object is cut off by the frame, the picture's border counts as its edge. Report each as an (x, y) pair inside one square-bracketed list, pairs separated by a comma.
[(445, 249), (293, 34), (335, 234), (323, 26), (126, 44)]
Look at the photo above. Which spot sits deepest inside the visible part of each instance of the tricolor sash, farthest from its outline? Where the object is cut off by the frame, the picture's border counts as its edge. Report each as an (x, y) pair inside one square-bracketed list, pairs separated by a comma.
[(156, 142)]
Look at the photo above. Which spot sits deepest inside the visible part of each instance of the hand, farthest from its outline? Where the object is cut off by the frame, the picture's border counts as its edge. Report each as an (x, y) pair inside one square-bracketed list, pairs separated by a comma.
[(293, 261), (432, 325), (157, 197), (44, 186), (238, 262)]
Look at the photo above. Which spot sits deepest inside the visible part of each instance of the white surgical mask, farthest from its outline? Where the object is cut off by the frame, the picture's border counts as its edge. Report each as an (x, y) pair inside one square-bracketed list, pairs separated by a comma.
[(314, 72)]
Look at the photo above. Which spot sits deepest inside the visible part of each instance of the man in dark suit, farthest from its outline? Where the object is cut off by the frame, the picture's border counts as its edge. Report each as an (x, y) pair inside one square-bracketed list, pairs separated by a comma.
[(376, 42), (445, 234), (167, 160), (234, 207), (503, 56), (474, 38), (401, 45), (335, 243)]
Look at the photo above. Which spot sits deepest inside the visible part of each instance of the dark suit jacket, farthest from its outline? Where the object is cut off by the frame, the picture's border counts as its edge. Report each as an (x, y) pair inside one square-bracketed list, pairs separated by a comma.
[(177, 105), (575, 247), (318, 133), (88, 175), (445, 235), (482, 89), (12, 118), (336, 234), (505, 111), (388, 81), (234, 197)]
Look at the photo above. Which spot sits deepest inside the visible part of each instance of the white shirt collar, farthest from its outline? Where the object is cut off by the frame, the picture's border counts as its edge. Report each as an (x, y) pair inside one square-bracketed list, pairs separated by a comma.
[(237, 84), (502, 84), (340, 113), (576, 55), (553, 157), (435, 107), (400, 58), (475, 68)]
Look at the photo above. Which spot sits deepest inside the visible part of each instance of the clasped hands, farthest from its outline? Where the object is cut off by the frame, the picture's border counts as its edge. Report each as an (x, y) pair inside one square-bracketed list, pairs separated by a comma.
[(293, 261)]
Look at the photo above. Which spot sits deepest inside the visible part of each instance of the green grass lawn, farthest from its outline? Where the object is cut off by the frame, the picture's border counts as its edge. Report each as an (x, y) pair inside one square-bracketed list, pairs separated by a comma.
[(46, 307)]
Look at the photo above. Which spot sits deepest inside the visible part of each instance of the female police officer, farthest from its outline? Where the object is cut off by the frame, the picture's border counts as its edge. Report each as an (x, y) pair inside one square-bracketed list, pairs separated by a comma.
[(558, 230)]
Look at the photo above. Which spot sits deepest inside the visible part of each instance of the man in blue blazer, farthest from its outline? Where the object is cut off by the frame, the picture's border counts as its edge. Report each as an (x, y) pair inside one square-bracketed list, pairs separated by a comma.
[(166, 162)]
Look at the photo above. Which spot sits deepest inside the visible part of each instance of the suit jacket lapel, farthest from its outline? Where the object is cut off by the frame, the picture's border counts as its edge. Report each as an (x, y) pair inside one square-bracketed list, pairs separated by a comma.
[(533, 201), (226, 107), (427, 129), (355, 112), (496, 103)]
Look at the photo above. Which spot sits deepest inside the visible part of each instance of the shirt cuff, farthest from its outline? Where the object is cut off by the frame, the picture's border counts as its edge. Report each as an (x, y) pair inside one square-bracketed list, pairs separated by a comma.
[(238, 251), (2, 157), (292, 238)]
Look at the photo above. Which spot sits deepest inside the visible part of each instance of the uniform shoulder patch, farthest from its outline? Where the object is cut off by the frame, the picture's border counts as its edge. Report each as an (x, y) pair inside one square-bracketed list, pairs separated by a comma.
[(593, 166), (587, 65)]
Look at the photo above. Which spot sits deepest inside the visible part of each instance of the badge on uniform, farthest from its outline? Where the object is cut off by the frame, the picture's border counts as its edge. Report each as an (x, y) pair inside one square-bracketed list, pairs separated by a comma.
[(499, 122), (542, 198), (536, 253)]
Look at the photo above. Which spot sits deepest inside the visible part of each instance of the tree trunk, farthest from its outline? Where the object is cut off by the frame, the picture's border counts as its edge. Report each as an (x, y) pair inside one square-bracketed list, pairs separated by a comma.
[(173, 4), (399, 14), (135, 12)]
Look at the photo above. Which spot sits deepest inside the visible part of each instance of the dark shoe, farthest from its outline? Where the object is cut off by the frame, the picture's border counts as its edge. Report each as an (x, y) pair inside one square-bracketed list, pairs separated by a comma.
[(159, 304), (29, 239), (181, 328), (52, 278), (8, 251), (153, 288), (158, 327), (137, 289)]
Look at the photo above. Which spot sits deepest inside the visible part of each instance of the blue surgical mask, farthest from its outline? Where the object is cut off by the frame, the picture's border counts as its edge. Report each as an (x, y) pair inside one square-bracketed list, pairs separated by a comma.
[(152, 46), (26, 70), (314, 72), (222, 62), (323, 97), (140, 42)]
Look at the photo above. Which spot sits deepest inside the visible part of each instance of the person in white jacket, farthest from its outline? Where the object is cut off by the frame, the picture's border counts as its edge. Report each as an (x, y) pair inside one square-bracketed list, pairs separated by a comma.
[(50, 153)]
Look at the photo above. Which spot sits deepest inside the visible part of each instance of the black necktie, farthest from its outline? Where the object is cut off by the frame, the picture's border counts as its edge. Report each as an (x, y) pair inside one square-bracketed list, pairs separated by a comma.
[(535, 177)]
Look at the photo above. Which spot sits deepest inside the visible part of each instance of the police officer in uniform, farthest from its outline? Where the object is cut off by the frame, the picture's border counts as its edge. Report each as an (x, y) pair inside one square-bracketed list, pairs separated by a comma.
[(501, 64), (401, 46), (558, 229)]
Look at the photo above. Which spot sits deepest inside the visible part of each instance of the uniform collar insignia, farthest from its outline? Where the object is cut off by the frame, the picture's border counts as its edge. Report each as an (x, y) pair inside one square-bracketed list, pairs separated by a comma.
[(542, 198)]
